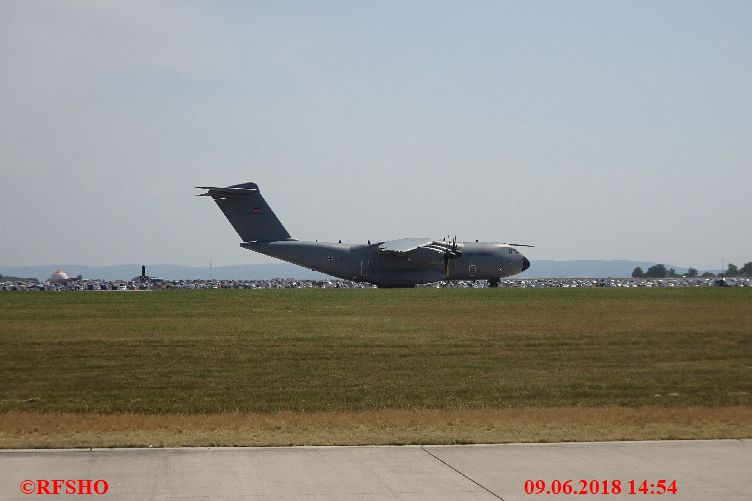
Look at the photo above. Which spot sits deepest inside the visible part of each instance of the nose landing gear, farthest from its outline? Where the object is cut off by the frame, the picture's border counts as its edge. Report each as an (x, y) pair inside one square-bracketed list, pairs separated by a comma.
[(493, 282)]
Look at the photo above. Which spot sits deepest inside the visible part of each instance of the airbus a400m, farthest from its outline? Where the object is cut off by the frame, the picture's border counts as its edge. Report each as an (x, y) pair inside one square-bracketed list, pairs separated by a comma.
[(405, 262)]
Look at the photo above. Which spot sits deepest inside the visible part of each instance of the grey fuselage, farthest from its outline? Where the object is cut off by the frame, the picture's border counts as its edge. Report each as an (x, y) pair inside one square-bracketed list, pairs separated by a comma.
[(367, 263)]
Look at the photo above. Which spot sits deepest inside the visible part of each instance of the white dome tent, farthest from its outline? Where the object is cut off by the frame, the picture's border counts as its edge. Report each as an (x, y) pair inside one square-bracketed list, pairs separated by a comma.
[(58, 277)]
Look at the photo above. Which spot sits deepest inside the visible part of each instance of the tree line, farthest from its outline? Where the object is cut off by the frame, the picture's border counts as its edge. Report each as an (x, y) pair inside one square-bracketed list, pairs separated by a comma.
[(660, 271)]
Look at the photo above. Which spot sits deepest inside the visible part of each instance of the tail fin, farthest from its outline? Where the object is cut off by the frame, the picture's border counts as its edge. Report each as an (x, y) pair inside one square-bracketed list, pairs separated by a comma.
[(248, 212)]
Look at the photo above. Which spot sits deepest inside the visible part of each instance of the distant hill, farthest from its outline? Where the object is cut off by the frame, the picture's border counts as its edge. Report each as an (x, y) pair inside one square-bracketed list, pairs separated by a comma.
[(539, 269), (168, 271), (6, 278)]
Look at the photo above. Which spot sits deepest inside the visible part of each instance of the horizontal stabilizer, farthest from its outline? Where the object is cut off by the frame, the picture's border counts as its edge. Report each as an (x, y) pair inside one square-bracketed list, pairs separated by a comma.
[(235, 190)]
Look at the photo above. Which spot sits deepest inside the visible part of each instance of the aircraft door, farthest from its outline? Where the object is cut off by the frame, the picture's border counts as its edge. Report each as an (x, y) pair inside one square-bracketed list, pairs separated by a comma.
[(365, 267), (471, 270)]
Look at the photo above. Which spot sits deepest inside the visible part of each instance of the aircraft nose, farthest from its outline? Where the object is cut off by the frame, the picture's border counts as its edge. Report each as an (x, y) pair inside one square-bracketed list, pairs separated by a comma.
[(525, 263)]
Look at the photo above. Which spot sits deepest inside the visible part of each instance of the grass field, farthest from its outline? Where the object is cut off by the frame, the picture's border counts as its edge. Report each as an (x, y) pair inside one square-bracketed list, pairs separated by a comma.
[(363, 355)]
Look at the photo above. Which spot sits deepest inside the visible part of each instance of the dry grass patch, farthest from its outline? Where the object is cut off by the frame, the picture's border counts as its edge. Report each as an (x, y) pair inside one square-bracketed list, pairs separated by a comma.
[(375, 427)]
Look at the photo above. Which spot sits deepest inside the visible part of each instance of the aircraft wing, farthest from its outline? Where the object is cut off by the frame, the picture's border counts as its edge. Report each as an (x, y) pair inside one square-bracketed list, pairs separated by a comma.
[(404, 244)]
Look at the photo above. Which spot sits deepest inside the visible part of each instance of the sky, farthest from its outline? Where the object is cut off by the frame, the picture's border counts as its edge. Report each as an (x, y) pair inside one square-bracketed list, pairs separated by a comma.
[(593, 130)]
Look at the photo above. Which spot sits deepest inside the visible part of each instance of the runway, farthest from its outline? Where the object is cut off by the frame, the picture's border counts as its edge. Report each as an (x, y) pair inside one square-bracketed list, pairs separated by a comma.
[(709, 469)]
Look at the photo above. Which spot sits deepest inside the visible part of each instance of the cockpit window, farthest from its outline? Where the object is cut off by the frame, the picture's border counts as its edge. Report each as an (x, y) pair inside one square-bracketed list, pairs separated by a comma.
[(513, 251)]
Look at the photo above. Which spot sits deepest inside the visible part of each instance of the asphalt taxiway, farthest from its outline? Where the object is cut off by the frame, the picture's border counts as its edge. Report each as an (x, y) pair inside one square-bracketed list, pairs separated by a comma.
[(706, 469)]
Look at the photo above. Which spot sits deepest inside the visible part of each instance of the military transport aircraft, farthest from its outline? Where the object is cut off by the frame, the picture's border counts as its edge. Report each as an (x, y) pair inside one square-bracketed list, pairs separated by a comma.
[(394, 263)]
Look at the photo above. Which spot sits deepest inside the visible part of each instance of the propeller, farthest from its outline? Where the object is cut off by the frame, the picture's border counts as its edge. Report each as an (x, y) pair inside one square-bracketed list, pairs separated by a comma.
[(448, 247), (450, 252)]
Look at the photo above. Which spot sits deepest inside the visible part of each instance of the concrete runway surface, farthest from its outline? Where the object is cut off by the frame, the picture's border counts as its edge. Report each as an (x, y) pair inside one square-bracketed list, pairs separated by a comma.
[(706, 469)]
